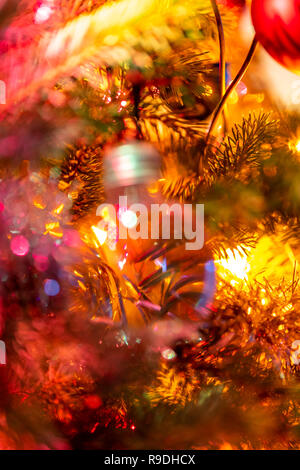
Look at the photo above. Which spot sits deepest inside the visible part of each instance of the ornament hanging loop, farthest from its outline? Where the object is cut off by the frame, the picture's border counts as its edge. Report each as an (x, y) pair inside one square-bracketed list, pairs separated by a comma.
[(222, 63), (230, 89)]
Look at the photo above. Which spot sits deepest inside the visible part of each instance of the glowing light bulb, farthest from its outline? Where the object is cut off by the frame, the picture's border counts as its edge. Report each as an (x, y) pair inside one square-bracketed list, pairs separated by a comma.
[(235, 263), (101, 235), (51, 287), (168, 354), (43, 14), (128, 218), (294, 145), (19, 245)]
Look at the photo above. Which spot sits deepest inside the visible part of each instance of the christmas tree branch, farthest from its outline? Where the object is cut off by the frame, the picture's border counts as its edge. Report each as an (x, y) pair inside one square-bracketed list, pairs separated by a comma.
[(243, 147)]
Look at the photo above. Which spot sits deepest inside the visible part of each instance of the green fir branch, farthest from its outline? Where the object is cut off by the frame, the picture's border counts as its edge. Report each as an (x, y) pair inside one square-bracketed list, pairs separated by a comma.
[(243, 148)]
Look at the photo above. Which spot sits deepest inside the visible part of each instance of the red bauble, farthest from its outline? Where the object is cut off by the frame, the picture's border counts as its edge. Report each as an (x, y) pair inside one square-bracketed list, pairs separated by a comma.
[(277, 26)]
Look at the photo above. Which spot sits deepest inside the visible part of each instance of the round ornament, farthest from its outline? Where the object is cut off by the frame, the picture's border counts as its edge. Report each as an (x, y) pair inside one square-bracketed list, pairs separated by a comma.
[(277, 26)]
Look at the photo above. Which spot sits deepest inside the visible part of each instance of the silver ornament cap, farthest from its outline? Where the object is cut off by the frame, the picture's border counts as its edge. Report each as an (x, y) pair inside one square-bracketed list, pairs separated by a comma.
[(132, 164)]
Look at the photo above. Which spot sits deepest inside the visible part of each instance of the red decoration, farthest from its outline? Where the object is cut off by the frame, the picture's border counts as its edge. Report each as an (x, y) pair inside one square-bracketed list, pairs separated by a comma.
[(233, 3), (277, 26)]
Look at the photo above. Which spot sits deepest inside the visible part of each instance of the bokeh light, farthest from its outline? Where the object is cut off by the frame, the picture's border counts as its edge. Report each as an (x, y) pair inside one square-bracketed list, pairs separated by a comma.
[(19, 245), (128, 218), (51, 287), (43, 14)]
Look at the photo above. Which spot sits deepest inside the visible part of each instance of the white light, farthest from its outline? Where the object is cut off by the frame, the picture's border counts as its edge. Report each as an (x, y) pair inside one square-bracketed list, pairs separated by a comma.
[(128, 219), (100, 234), (43, 13), (236, 263), (121, 263)]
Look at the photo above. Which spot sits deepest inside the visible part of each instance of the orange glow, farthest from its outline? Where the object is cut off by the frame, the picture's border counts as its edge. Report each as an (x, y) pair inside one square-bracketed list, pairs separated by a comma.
[(39, 203), (59, 209), (294, 145), (53, 229), (236, 264)]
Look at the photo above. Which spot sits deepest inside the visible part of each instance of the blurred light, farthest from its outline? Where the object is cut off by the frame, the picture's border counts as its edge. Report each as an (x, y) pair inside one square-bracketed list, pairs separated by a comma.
[(43, 14), (294, 145), (105, 213), (77, 273), (19, 245), (236, 263), (51, 287), (154, 187), (110, 39), (226, 446), (287, 308), (295, 356), (233, 98), (260, 97), (101, 235), (41, 262), (93, 402), (128, 218), (295, 95), (53, 229), (210, 266), (121, 263), (168, 354), (162, 264), (82, 286), (39, 203), (59, 209), (280, 6), (71, 238), (241, 89)]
